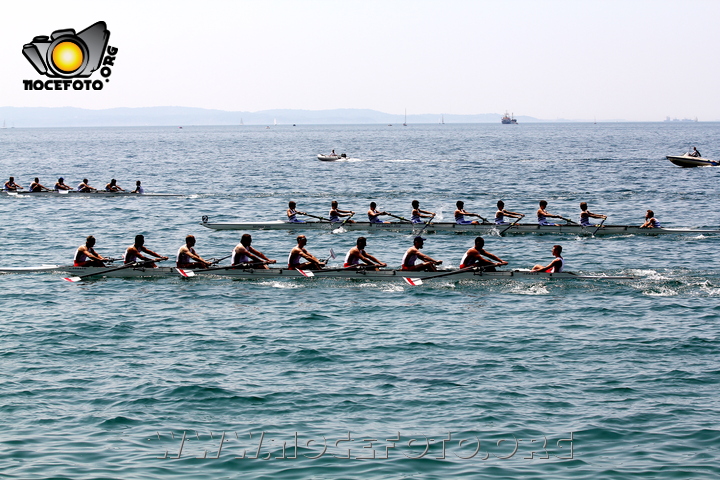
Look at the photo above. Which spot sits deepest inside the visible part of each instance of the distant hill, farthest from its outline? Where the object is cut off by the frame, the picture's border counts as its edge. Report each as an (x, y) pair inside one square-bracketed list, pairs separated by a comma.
[(171, 116)]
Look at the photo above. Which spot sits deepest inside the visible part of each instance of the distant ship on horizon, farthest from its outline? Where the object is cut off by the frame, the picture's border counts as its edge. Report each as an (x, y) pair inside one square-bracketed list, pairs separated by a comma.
[(508, 119)]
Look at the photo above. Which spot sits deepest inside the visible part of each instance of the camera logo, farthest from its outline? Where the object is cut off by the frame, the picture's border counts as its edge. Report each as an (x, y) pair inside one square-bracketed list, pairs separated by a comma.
[(68, 55)]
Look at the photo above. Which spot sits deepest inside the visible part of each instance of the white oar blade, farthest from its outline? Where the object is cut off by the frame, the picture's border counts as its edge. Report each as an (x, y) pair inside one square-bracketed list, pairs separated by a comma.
[(413, 281), (306, 273), (185, 273), (332, 254), (72, 279), (63, 192)]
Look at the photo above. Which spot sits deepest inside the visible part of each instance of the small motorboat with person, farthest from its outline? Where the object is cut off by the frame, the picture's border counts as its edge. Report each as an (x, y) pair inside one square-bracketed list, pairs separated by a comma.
[(332, 157), (689, 161)]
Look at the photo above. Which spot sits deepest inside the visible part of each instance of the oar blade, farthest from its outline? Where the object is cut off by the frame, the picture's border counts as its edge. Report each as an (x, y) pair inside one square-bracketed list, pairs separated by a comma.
[(306, 273), (72, 279), (413, 281), (185, 273)]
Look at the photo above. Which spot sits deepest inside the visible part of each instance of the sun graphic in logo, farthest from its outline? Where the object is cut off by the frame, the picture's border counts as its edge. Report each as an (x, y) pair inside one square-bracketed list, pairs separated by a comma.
[(67, 56)]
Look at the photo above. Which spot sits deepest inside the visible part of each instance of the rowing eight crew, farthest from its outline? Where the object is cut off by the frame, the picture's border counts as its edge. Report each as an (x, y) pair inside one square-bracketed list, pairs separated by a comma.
[(60, 185), (246, 256), (418, 216)]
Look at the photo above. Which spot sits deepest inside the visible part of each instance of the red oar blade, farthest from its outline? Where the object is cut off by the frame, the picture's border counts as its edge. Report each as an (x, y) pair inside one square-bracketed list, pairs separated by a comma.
[(185, 273), (413, 281), (72, 279)]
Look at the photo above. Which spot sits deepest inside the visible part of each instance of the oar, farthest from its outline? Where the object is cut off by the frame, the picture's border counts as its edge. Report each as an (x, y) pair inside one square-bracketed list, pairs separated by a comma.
[(568, 220), (419, 234), (509, 226), (240, 266), (419, 281), (215, 262), (598, 227), (343, 223), (319, 218), (399, 218), (309, 273), (127, 265)]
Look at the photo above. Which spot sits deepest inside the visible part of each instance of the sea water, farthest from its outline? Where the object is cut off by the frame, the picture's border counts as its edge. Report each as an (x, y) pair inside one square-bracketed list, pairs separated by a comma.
[(220, 378)]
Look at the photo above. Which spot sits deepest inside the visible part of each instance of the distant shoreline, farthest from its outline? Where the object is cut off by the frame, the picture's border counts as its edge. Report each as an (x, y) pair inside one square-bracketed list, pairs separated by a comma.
[(53, 117)]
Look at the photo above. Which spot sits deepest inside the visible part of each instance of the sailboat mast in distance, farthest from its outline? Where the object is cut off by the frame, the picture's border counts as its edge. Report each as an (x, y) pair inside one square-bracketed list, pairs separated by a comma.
[(405, 122)]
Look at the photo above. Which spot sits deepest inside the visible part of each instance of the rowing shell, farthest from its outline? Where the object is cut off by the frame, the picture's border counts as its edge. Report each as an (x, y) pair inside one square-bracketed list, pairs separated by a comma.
[(483, 228), (75, 193), (280, 273)]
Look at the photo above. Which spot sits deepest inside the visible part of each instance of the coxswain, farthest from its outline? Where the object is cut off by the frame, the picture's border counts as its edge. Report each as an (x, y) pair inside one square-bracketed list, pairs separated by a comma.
[(244, 253), (556, 266), (187, 257), (292, 213), (650, 220), (11, 186), (297, 254), (413, 254), (336, 214), (586, 215), (61, 185), (374, 214), (135, 252), (358, 254), (460, 214), (502, 213), (417, 215), (138, 188), (36, 186), (85, 187), (543, 215), (113, 187), (476, 257), (86, 256)]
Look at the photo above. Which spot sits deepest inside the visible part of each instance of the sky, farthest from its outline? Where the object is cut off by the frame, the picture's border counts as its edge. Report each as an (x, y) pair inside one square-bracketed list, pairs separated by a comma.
[(631, 60)]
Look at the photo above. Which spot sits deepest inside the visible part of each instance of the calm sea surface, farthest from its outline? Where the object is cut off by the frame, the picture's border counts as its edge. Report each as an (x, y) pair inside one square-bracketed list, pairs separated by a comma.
[(217, 378)]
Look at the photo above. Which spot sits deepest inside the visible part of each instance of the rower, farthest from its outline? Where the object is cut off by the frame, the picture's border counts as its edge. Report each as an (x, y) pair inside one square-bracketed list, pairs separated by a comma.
[(113, 187), (36, 186), (556, 266), (244, 253), (11, 186), (186, 254), (336, 214), (374, 214), (86, 256), (460, 213), (413, 254), (543, 215), (85, 187), (138, 188), (417, 215), (61, 185), (291, 213), (650, 220), (586, 215), (133, 253), (299, 252), (502, 213), (475, 257), (357, 254)]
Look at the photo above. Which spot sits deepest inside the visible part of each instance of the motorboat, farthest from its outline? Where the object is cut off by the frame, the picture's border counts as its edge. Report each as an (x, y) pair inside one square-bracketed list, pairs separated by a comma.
[(688, 161), (331, 158)]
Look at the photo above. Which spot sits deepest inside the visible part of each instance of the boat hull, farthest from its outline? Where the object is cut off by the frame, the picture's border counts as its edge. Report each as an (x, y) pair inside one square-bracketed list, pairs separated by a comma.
[(486, 229), (686, 161), (283, 273), (75, 193), (331, 158)]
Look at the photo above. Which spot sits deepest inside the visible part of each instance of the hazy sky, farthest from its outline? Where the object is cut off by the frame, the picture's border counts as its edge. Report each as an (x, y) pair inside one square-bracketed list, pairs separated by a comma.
[(625, 59)]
